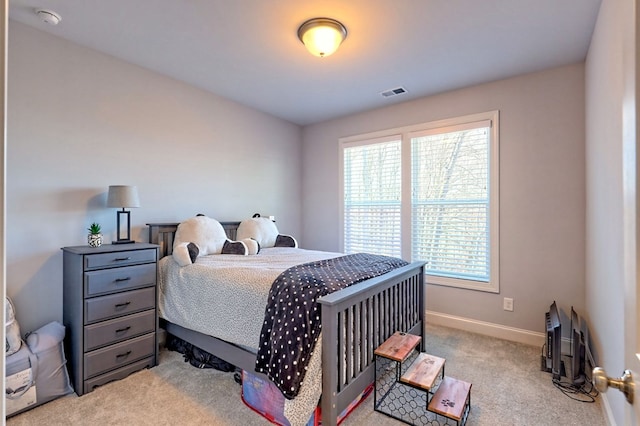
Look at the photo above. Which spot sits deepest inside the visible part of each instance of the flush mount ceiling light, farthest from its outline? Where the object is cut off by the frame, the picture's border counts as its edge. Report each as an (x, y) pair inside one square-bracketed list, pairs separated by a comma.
[(322, 36)]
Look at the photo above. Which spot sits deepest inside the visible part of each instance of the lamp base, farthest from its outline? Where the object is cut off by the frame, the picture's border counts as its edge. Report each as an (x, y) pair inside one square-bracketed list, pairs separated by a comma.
[(123, 242)]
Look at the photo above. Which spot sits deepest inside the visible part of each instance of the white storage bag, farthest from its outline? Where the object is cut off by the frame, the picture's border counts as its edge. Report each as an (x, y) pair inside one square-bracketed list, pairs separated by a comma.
[(12, 329), (20, 381), (47, 344)]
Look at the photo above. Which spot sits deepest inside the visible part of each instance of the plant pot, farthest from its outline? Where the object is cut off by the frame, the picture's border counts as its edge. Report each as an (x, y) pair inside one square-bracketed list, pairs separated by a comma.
[(95, 240)]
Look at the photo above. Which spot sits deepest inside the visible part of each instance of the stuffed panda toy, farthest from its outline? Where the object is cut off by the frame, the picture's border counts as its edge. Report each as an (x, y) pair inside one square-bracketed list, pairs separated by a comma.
[(265, 232), (202, 236)]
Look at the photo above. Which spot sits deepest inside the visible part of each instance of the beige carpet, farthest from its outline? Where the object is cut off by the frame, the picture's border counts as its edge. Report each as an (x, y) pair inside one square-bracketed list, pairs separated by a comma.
[(508, 389)]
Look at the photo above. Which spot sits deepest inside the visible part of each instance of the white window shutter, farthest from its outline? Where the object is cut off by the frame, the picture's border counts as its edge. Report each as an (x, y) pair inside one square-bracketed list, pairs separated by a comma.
[(450, 202), (372, 188), (447, 207)]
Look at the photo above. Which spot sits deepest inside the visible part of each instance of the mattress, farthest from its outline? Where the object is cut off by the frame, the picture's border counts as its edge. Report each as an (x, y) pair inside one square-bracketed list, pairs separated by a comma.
[(225, 296)]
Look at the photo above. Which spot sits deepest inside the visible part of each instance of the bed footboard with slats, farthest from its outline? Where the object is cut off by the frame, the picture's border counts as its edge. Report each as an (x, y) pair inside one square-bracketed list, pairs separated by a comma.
[(355, 321)]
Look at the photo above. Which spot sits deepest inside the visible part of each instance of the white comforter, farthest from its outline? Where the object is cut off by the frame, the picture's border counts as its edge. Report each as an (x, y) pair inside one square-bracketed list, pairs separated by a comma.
[(225, 296)]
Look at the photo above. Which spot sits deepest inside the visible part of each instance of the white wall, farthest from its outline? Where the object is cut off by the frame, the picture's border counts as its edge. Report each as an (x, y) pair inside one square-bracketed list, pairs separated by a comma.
[(542, 195), (604, 78), (79, 121)]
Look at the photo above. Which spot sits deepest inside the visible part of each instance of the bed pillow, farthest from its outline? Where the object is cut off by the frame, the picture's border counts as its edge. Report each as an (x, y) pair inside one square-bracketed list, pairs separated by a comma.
[(202, 236), (252, 245), (185, 253), (265, 232), (234, 247)]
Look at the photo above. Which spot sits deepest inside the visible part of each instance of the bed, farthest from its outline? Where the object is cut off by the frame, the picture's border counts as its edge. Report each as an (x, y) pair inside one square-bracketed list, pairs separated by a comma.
[(355, 321)]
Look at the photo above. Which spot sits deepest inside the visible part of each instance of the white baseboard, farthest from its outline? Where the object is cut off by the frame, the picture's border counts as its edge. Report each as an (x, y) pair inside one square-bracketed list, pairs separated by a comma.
[(499, 331), (486, 328)]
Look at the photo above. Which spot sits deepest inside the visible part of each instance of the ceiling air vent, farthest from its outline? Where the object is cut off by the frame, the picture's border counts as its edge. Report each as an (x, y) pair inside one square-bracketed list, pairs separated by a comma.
[(393, 92)]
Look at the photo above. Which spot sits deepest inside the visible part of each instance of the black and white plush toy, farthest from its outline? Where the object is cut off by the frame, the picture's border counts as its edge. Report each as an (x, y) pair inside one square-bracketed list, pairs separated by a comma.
[(201, 236), (265, 232)]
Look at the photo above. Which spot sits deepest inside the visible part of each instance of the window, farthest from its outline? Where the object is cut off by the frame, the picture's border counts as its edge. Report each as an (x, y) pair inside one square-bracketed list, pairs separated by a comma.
[(372, 189), (427, 192)]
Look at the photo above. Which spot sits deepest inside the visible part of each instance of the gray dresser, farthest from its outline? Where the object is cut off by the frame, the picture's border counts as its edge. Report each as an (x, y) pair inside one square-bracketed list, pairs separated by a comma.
[(110, 313)]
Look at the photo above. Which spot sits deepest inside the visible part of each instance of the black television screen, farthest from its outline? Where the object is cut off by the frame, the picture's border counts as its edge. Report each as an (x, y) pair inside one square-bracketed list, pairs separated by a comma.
[(554, 336), (577, 354)]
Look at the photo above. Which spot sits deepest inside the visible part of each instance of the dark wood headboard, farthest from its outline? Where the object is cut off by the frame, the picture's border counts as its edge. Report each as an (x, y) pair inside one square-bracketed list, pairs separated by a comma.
[(164, 233)]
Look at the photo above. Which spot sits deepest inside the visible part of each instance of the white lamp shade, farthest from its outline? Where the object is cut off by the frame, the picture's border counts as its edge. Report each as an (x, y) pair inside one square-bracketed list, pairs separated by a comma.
[(322, 36), (122, 196)]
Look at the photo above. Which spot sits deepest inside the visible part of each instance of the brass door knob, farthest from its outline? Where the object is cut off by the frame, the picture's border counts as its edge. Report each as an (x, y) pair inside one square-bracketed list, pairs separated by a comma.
[(625, 383)]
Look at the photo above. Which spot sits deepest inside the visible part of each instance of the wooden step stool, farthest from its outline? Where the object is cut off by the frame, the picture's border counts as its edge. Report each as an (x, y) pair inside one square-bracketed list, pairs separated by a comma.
[(397, 348), (411, 386), (391, 360), (405, 379), (452, 400), (424, 372)]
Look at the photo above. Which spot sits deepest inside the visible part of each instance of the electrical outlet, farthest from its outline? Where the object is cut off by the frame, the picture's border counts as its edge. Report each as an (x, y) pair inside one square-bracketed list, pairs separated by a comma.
[(507, 304)]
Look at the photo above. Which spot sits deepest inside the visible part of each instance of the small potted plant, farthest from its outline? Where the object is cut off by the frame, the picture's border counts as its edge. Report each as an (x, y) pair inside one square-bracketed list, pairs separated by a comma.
[(95, 237)]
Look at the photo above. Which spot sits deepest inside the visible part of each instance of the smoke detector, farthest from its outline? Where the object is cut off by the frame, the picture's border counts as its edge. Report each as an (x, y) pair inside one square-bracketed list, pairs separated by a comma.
[(48, 16)]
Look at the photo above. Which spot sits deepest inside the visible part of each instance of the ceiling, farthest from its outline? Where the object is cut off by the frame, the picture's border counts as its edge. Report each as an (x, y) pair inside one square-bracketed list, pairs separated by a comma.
[(248, 50)]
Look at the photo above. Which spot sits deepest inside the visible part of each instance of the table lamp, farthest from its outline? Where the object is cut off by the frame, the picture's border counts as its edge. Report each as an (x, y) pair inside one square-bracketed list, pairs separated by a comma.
[(123, 196)]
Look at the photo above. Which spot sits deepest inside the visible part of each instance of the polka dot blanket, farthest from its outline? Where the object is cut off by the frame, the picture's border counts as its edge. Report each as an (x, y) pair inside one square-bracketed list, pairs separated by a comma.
[(292, 318)]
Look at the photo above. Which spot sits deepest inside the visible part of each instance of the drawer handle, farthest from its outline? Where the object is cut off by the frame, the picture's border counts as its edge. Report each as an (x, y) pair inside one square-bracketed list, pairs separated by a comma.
[(127, 353), (118, 280), (121, 259), (121, 330), (120, 305)]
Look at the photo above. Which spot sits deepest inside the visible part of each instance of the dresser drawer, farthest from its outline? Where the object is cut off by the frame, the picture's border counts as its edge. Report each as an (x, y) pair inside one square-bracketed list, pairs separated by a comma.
[(121, 258), (119, 304), (117, 279), (115, 330), (120, 373), (118, 355)]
